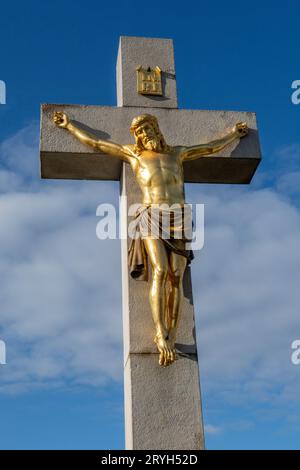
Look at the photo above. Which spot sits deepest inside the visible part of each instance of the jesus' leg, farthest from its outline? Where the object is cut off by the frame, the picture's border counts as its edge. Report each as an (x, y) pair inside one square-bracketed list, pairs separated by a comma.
[(177, 267), (160, 266)]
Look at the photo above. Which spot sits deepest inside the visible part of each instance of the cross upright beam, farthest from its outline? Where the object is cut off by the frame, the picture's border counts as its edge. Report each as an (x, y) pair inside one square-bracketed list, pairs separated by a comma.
[(162, 405)]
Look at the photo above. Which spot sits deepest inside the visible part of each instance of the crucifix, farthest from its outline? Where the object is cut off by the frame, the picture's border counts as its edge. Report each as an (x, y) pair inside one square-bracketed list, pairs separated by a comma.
[(162, 404)]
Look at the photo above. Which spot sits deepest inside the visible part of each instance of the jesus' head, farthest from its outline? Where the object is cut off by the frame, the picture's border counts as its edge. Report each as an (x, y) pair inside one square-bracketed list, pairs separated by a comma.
[(147, 134)]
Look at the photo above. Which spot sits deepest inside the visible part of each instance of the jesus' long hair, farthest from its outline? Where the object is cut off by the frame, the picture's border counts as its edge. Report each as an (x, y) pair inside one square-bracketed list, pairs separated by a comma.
[(137, 122)]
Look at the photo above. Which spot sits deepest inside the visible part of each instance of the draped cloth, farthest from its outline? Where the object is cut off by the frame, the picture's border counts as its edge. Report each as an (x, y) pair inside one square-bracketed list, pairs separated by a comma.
[(171, 225)]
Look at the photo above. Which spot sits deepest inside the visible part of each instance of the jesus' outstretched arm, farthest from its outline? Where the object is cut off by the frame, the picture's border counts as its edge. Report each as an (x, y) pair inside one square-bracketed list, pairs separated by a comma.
[(104, 146), (205, 150)]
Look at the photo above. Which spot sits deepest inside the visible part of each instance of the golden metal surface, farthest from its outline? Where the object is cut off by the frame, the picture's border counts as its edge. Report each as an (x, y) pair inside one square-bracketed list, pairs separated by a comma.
[(149, 81), (158, 169)]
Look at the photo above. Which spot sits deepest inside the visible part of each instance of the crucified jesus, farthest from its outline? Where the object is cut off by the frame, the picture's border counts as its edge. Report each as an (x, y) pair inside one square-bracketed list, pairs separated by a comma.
[(158, 169)]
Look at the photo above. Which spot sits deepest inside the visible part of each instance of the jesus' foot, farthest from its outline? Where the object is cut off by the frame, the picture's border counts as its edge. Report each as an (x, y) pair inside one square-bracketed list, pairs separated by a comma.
[(167, 352), (172, 338)]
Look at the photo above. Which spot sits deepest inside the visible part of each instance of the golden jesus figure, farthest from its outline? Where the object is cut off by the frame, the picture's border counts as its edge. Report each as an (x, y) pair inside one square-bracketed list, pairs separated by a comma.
[(158, 169)]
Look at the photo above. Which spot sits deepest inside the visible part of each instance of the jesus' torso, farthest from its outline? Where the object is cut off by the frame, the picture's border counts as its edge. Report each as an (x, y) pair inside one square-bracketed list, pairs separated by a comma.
[(160, 177)]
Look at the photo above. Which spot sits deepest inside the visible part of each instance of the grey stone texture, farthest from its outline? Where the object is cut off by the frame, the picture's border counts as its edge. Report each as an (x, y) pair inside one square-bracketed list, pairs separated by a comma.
[(163, 405)]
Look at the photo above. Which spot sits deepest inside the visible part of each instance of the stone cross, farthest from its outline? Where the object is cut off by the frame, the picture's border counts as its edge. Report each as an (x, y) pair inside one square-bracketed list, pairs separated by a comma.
[(162, 405)]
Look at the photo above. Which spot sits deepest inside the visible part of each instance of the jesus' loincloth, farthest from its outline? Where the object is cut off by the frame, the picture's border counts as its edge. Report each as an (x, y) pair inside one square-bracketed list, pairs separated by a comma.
[(171, 225)]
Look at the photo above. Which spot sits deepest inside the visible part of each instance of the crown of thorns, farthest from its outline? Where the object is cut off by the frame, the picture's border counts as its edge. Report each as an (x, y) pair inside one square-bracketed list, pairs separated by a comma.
[(139, 120)]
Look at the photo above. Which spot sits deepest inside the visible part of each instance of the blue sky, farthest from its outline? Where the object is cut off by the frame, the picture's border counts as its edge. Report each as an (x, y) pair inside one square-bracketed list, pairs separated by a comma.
[(60, 317)]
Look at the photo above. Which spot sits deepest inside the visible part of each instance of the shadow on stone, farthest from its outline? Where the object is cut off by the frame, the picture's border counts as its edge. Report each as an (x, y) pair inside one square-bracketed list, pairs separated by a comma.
[(96, 132), (164, 77), (187, 285), (185, 353), (248, 146)]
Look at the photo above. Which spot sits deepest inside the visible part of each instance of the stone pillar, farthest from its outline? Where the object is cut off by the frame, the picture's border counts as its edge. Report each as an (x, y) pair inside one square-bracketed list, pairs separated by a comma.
[(162, 405)]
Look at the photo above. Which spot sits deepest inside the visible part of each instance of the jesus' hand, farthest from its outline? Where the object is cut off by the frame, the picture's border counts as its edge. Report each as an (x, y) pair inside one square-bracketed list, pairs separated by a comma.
[(241, 129), (61, 119)]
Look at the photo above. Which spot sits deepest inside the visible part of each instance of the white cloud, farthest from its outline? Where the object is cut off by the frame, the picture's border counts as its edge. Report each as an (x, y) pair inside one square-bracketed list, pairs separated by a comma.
[(59, 314), (211, 429)]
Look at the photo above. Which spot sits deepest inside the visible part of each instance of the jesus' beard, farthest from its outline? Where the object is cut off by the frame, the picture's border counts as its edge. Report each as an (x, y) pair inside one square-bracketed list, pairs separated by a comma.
[(153, 145)]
